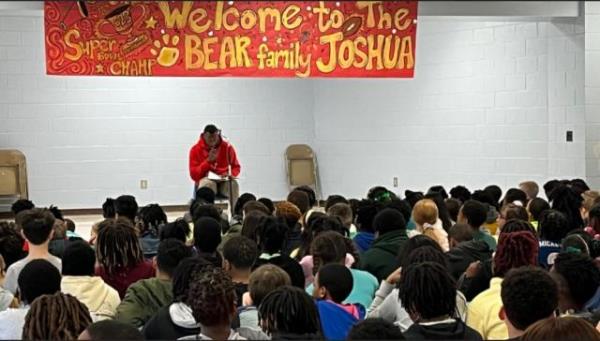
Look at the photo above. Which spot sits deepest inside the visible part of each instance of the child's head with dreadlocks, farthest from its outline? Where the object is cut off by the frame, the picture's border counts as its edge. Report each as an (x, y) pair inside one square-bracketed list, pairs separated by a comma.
[(183, 276), (427, 291), (56, 317), (516, 225), (117, 245), (289, 310), (413, 244), (428, 254), (212, 299), (515, 249)]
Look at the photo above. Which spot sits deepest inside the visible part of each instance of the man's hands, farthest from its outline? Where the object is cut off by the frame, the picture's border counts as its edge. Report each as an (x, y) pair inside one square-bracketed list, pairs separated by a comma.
[(212, 155)]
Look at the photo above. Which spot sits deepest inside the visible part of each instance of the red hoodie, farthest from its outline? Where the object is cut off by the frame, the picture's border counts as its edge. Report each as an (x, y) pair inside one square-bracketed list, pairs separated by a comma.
[(199, 165)]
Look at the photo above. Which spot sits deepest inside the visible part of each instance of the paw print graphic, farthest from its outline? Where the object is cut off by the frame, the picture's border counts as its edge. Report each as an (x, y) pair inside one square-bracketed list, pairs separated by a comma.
[(166, 55)]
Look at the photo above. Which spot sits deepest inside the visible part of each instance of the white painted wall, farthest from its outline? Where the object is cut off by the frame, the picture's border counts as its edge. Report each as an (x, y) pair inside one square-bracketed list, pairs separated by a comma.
[(499, 8), (592, 91), (426, 8), (566, 97), (489, 104), (87, 138)]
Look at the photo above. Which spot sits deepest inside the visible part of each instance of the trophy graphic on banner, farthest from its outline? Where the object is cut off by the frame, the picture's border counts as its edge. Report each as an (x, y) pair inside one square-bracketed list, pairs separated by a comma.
[(125, 20)]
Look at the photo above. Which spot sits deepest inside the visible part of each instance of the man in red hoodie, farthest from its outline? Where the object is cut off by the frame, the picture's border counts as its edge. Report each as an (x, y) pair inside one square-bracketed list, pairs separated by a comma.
[(213, 154)]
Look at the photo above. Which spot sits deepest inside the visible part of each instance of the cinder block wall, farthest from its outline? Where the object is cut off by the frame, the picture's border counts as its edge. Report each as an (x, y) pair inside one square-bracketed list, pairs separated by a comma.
[(490, 103)]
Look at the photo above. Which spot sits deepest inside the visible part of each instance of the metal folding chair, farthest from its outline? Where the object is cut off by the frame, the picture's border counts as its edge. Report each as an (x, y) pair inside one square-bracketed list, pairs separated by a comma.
[(301, 167), (13, 178)]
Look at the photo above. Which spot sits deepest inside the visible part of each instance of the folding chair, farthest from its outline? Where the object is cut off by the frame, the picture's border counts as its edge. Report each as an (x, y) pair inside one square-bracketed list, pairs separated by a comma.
[(13, 178), (301, 167)]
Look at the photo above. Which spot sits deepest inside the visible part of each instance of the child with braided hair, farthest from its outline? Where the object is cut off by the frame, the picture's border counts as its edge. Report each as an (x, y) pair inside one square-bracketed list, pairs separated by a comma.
[(119, 255), (289, 313), (387, 304), (428, 293), (56, 317), (515, 249), (476, 278)]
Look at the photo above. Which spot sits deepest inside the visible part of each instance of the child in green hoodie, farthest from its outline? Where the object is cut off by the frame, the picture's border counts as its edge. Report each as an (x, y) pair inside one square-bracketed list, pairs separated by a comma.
[(145, 297)]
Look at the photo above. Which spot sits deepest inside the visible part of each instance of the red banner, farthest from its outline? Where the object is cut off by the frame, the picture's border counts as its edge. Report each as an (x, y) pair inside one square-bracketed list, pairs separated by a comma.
[(231, 38)]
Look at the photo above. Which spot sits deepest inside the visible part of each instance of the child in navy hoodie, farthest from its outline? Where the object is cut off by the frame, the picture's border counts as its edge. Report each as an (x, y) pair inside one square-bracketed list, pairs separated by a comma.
[(333, 284)]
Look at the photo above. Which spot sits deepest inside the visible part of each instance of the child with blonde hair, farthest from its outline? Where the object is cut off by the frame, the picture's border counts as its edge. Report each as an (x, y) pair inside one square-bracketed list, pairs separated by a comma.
[(426, 217)]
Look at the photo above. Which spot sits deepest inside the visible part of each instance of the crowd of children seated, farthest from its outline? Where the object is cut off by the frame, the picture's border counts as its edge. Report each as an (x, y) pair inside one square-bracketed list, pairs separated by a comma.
[(456, 265)]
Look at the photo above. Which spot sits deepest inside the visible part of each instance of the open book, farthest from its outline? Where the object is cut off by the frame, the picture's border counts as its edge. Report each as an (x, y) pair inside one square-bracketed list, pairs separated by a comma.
[(216, 177)]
